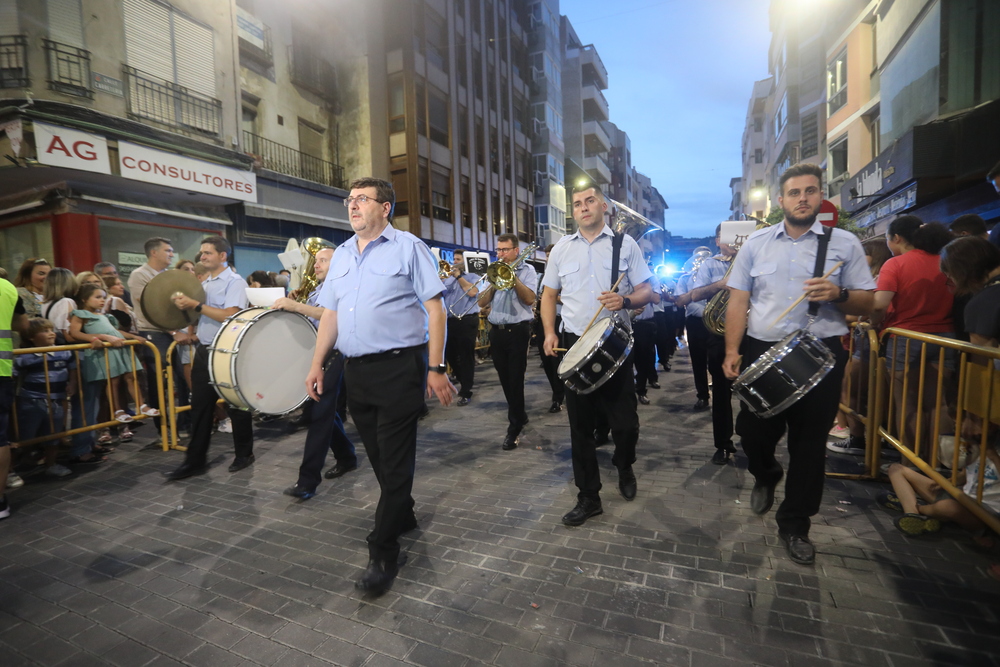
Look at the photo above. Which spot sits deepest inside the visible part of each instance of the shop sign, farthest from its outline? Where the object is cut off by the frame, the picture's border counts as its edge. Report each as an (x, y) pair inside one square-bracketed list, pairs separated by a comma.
[(62, 147), (131, 258), (140, 163)]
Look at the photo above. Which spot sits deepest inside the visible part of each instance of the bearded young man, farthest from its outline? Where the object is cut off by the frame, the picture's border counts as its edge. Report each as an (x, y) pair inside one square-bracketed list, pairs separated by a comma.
[(772, 269)]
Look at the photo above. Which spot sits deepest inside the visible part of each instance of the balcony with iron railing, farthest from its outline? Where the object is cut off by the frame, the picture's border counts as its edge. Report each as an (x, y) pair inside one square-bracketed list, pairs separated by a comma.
[(14, 61), (69, 69), (593, 66), (285, 160), (170, 104), (595, 105)]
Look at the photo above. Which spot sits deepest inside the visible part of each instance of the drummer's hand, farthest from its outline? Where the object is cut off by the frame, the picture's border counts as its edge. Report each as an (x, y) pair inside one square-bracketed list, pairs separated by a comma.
[(184, 302), (731, 365), (439, 384), (682, 300), (314, 382), (550, 344), (612, 301), (821, 289), (284, 303)]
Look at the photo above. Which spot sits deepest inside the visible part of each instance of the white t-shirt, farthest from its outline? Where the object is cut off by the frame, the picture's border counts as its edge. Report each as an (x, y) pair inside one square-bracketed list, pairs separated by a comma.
[(58, 314), (991, 484)]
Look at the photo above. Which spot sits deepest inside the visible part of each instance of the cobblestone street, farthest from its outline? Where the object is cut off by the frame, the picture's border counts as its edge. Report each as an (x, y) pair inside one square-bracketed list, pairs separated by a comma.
[(117, 567)]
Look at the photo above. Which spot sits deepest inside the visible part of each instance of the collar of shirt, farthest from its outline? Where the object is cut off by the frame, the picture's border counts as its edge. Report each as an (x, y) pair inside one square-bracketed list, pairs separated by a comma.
[(816, 228), (388, 234), (605, 231)]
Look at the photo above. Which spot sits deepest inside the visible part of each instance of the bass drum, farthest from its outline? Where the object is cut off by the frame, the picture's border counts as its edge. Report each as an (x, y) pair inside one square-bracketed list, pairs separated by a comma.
[(595, 357), (784, 374), (260, 358)]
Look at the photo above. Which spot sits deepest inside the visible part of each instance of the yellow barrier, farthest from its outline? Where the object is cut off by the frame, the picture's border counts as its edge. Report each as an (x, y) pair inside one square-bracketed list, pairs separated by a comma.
[(862, 393), (172, 409), (56, 435)]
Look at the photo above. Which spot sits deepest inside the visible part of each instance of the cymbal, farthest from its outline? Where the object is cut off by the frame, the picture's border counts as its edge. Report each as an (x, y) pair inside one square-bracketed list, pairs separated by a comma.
[(157, 303)]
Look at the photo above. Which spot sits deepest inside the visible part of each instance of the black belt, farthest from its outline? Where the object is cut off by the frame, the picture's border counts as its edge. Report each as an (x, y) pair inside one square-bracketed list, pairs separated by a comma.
[(510, 327), (384, 356)]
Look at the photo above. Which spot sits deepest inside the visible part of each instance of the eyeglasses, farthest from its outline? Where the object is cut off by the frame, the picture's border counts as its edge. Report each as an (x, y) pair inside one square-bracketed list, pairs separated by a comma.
[(505, 249), (361, 199)]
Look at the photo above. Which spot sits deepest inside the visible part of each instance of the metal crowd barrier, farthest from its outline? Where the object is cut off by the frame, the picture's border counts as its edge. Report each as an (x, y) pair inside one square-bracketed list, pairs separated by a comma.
[(861, 395), (59, 434)]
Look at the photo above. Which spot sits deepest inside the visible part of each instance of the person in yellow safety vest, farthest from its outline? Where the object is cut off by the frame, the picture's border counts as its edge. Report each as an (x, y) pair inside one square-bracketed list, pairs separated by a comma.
[(11, 312)]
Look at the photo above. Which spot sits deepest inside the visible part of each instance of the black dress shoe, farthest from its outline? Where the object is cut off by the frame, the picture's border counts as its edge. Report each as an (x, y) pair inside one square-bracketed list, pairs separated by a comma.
[(666, 367), (185, 470), (378, 576), (762, 496), (410, 524), (654, 385), (626, 483), (701, 404), (800, 549), (721, 457), (509, 442), (642, 399), (340, 469), (300, 492), (462, 402), (555, 407), (585, 508), (241, 462), (601, 438)]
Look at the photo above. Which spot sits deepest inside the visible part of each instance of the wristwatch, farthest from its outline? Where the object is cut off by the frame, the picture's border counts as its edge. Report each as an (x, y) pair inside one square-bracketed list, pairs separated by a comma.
[(441, 368), (197, 308), (626, 303), (844, 296)]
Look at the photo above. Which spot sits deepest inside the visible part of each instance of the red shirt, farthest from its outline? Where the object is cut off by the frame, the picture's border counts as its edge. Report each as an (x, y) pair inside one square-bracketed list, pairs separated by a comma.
[(922, 301)]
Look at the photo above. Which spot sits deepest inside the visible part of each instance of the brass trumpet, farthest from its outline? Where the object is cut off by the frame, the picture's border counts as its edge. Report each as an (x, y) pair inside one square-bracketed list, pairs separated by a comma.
[(500, 275), (444, 269)]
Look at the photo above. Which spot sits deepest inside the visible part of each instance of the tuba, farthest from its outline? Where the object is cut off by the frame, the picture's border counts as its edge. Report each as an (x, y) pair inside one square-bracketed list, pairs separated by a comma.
[(626, 221), (714, 316), (309, 282)]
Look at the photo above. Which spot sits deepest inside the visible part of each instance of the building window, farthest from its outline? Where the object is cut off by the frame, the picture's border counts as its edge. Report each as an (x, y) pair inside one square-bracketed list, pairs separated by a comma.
[(399, 185), (477, 72), (836, 83), (466, 195), (397, 105), (463, 131), (508, 215), (437, 113), (758, 124), (436, 37), (874, 127), (496, 213), (481, 195), (69, 69), (781, 116), (461, 66), (425, 191), (441, 193), (13, 61), (520, 168), (309, 69), (758, 155), (480, 144), (838, 163), (494, 151), (421, 102)]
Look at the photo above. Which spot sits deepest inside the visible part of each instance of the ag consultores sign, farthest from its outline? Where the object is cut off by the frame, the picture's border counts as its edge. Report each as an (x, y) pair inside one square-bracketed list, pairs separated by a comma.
[(140, 163), (62, 147)]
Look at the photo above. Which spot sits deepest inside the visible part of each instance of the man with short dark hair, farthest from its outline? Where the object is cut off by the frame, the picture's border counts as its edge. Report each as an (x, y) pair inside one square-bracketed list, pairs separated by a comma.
[(773, 268), (460, 300), (225, 295), (969, 224), (510, 331)]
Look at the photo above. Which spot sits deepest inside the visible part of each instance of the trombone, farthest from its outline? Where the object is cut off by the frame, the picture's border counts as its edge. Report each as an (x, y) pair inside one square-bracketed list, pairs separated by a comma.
[(500, 275)]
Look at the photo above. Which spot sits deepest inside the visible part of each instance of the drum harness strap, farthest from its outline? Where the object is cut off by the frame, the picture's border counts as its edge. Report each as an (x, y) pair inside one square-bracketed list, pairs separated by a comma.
[(824, 241)]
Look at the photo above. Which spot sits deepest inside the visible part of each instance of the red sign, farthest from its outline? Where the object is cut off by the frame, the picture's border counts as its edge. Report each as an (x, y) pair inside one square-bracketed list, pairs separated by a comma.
[(828, 213)]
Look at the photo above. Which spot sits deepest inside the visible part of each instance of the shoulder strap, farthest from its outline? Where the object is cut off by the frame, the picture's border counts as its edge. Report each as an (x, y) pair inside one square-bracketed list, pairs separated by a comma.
[(616, 253), (824, 241)]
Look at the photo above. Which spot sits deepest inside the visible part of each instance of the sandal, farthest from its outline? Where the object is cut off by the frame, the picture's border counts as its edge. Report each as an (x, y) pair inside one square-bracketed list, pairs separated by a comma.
[(148, 411), (916, 525), (125, 435), (123, 416), (104, 438), (889, 501), (98, 449)]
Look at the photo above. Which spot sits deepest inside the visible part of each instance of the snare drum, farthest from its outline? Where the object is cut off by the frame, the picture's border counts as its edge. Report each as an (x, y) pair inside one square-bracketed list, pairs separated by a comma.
[(784, 374), (260, 358), (595, 357)]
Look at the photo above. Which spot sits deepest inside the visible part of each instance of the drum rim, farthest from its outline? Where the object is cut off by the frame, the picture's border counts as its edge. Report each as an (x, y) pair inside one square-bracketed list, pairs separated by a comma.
[(607, 332), (614, 369), (740, 383), (757, 368)]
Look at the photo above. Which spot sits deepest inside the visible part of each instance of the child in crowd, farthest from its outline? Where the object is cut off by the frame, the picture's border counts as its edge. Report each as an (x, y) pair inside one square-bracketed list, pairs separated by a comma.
[(87, 324), (46, 380)]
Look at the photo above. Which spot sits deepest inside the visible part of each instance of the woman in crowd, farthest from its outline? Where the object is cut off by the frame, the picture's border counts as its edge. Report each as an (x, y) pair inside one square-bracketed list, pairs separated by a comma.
[(185, 265), (60, 290), (260, 279), (89, 278), (30, 284), (913, 294)]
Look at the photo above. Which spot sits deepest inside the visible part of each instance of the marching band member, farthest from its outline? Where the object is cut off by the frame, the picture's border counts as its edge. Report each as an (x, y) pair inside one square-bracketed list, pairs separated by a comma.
[(510, 317), (460, 294), (225, 295), (768, 275), (384, 312), (644, 347), (579, 271)]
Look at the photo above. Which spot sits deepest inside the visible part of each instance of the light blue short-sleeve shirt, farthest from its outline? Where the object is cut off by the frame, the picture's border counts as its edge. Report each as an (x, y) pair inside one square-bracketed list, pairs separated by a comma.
[(581, 270), (455, 299), (379, 294), (507, 307), (711, 271), (773, 267), (226, 290)]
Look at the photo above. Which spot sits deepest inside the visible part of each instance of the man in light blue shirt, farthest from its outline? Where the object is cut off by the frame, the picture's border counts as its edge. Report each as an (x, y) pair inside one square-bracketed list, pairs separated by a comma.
[(461, 290), (383, 310), (773, 268), (225, 295), (510, 317), (644, 348), (579, 271)]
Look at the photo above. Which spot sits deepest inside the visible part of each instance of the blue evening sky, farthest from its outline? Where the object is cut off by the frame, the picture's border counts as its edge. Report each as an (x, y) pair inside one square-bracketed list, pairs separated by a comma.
[(680, 74)]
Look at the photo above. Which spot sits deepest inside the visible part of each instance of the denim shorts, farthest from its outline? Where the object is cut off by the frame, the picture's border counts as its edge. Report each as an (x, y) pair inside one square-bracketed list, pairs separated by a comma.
[(896, 351)]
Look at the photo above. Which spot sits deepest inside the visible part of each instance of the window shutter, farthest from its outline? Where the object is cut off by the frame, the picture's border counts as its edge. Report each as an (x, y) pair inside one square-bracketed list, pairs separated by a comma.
[(8, 18), (195, 55), (65, 22), (147, 38)]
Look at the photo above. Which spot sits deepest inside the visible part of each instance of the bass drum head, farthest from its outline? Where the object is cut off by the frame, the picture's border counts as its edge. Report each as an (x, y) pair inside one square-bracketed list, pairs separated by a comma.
[(583, 347), (273, 360)]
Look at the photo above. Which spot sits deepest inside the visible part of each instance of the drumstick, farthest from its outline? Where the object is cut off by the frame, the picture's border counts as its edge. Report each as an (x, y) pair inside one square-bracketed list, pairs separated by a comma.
[(804, 294), (560, 349), (594, 318)]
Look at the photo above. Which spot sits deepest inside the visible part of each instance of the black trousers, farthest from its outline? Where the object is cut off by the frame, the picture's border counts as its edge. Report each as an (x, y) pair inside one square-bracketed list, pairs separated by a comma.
[(644, 349), (162, 341), (666, 335), (615, 403), (460, 351), (385, 394), (807, 422), (722, 394), (509, 349), (551, 364), (203, 399), (326, 430), (697, 336)]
